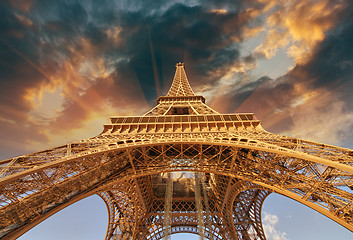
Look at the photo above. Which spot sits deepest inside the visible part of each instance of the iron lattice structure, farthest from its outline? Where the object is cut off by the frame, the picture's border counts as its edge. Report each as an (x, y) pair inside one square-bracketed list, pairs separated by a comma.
[(181, 167)]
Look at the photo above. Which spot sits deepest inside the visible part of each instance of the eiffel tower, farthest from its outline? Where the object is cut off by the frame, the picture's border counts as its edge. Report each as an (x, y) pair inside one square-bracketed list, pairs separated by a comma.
[(180, 168)]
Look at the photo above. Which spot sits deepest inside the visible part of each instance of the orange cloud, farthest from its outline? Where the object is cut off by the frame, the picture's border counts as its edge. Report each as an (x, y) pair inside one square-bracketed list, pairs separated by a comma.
[(271, 44), (23, 5), (114, 34), (78, 97), (251, 31), (24, 20), (298, 26), (219, 11)]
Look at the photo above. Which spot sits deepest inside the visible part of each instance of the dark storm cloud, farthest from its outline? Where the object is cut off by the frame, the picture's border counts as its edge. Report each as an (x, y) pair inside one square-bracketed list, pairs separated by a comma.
[(65, 19), (50, 44), (30, 48), (332, 63), (17, 57), (177, 31), (204, 40)]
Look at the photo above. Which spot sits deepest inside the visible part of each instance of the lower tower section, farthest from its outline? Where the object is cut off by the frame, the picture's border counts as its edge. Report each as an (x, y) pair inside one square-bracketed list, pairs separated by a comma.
[(210, 205)]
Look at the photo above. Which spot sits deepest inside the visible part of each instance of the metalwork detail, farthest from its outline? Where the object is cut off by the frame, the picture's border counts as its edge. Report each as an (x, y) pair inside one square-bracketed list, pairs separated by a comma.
[(223, 166)]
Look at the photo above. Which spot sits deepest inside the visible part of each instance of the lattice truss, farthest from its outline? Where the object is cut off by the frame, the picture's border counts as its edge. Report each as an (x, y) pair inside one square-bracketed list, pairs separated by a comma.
[(232, 165)]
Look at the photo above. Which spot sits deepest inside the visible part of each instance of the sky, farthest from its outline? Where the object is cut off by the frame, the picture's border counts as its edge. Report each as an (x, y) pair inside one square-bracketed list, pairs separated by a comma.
[(66, 66)]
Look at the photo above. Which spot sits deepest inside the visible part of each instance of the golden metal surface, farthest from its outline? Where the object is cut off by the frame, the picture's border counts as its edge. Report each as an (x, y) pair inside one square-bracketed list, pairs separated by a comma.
[(128, 166)]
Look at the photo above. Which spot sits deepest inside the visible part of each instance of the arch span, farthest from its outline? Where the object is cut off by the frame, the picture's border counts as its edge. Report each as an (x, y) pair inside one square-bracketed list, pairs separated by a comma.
[(68, 179), (85, 219)]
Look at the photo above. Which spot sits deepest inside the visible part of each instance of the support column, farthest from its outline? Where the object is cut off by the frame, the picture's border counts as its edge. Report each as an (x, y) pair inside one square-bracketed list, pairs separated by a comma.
[(120, 217), (207, 206), (168, 208), (199, 207)]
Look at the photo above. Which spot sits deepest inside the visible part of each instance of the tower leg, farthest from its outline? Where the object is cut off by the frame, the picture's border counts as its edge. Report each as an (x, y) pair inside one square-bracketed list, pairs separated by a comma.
[(245, 211), (119, 220), (207, 206), (199, 207), (168, 207), (124, 210)]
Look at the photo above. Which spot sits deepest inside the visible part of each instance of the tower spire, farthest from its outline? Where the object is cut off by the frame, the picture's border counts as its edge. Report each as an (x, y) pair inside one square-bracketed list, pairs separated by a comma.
[(180, 99), (180, 85)]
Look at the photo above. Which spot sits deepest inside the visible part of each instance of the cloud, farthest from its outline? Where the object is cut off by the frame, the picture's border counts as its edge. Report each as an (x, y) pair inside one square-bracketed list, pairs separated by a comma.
[(66, 64), (298, 26), (270, 222), (323, 119), (314, 99), (22, 5), (295, 105), (203, 39)]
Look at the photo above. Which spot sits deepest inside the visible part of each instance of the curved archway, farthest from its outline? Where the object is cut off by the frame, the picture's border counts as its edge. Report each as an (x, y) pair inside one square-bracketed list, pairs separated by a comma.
[(290, 214), (253, 164), (85, 219)]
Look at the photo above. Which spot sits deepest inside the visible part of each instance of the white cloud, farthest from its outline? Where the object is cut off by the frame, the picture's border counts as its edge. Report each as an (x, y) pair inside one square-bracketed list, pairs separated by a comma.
[(269, 225)]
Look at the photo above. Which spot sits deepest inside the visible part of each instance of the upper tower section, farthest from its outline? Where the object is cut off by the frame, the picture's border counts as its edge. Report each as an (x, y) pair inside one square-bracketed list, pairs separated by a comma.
[(181, 111), (180, 91), (180, 99), (180, 85)]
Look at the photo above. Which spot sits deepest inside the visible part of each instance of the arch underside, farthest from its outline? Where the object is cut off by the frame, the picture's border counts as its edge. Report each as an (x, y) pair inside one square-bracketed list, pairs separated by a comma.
[(235, 172), (234, 210)]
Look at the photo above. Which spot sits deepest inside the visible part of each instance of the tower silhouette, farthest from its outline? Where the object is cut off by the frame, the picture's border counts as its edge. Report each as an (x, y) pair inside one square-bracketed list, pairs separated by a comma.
[(181, 167)]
